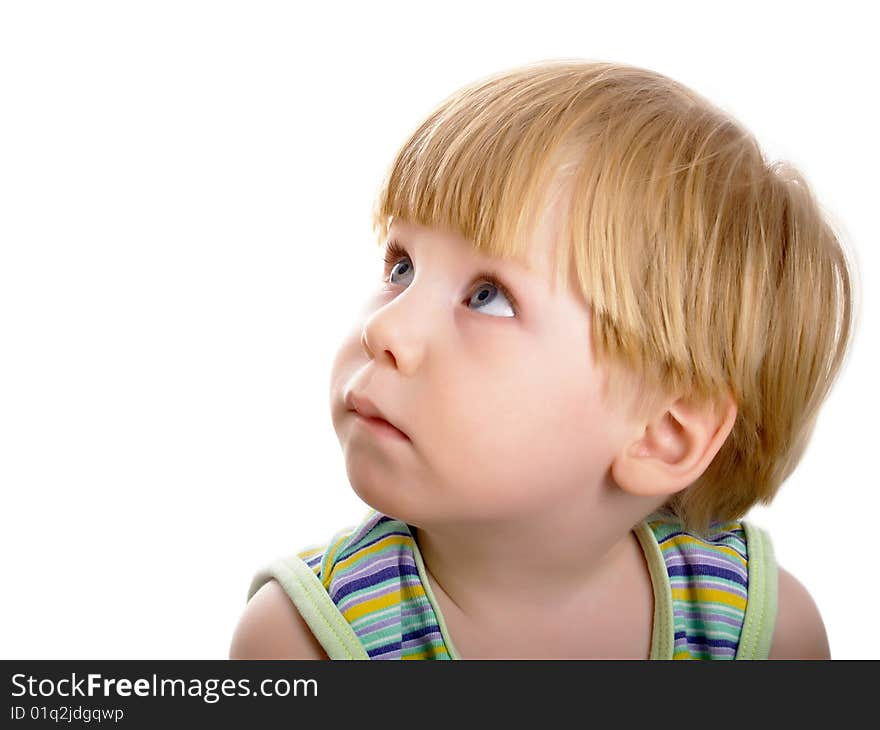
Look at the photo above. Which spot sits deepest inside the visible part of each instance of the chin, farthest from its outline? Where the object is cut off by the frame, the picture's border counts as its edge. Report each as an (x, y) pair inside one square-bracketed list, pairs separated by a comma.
[(375, 493)]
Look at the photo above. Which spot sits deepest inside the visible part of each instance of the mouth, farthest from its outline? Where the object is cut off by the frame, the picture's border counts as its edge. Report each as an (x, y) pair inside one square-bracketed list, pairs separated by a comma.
[(381, 426), (367, 412)]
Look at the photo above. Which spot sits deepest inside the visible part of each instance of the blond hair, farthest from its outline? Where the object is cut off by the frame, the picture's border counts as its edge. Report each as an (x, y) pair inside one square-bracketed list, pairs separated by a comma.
[(709, 271)]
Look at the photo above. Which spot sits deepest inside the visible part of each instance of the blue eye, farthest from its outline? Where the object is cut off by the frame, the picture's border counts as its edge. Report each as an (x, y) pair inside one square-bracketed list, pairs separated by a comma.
[(402, 270), (487, 293)]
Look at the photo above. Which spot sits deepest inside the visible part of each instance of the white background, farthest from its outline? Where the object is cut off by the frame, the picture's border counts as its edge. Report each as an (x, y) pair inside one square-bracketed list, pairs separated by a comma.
[(185, 190)]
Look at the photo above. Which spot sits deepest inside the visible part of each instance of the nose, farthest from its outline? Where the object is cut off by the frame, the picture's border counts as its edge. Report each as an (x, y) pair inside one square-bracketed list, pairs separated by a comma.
[(398, 331)]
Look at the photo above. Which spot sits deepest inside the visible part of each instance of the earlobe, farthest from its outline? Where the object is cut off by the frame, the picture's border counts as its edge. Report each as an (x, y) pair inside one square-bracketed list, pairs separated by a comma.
[(674, 448)]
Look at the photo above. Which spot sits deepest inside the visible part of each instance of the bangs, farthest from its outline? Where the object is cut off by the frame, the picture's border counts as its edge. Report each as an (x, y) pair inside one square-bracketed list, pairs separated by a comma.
[(486, 163)]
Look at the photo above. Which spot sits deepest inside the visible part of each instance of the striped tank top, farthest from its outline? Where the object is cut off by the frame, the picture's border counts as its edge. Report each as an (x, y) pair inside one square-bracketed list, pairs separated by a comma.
[(365, 593)]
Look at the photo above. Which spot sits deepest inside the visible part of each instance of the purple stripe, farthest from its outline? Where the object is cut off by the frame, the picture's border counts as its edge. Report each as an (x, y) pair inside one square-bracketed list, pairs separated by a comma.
[(337, 593), (392, 650), (688, 642), (711, 559), (341, 577), (698, 639), (705, 551), (713, 617), (420, 632), (698, 570), (376, 626), (711, 581), (418, 644), (405, 581)]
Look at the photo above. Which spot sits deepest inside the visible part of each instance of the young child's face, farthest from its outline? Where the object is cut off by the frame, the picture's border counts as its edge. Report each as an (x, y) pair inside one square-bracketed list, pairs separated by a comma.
[(503, 413)]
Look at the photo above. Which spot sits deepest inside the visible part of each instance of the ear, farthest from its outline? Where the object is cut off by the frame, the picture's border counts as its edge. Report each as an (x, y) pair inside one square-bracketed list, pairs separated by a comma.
[(675, 448)]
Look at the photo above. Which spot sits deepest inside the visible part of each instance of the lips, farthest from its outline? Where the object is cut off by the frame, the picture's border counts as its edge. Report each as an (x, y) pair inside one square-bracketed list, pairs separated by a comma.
[(366, 408)]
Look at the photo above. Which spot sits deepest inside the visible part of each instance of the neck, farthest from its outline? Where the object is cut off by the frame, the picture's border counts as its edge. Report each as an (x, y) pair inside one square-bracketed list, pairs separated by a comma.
[(481, 566)]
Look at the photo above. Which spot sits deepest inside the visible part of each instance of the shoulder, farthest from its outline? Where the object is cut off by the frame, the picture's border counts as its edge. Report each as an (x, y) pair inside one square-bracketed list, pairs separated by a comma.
[(799, 632), (271, 627)]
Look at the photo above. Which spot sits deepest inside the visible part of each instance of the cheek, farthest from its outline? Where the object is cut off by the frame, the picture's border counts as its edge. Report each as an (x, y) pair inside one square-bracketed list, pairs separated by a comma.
[(520, 437)]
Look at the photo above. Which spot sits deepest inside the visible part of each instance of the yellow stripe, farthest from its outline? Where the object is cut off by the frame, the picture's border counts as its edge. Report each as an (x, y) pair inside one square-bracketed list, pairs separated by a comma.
[(431, 651), (709, 594), (380, 602)]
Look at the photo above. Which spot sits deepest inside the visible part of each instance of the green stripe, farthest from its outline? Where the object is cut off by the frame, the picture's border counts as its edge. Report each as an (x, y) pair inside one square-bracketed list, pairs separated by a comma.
[(715, 631), (381, 637)]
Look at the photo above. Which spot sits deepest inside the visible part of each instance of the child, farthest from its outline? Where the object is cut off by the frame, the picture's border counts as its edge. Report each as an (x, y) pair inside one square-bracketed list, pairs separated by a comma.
[(605, 331)]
